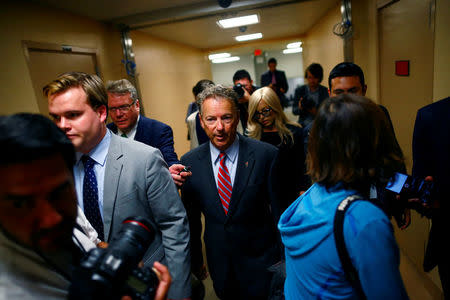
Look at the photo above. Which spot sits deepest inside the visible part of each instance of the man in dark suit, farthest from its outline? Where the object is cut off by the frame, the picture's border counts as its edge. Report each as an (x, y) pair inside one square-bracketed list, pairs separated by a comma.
[(116, 178), (348, 78), (123, 105), (276, 80), (431, 157), (232, 184)]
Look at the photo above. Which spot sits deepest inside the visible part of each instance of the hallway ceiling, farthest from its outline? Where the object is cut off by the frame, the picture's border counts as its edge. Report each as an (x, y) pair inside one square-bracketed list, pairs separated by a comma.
[(193, 22)]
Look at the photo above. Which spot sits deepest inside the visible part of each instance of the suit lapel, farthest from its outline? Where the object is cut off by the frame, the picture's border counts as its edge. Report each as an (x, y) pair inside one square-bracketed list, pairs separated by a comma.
[(139, 136), (245, 166), (111, 184)]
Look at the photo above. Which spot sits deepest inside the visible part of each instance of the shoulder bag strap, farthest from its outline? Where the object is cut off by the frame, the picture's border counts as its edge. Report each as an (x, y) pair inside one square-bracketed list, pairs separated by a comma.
[(349, 269)]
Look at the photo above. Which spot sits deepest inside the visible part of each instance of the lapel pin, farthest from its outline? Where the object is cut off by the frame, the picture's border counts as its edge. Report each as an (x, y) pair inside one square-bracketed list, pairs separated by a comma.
[(246, 164)]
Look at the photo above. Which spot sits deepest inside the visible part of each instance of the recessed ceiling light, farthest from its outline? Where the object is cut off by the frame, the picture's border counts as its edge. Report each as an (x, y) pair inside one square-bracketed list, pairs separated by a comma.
[(294, 45), (218, 55), (238, 21), (292, 50), (247, 37), (225, 59)]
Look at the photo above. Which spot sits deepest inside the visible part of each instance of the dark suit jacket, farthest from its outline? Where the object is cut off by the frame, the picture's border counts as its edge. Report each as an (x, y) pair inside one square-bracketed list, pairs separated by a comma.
[(245, 241), (155, 134), (280, 77), (431, 157)]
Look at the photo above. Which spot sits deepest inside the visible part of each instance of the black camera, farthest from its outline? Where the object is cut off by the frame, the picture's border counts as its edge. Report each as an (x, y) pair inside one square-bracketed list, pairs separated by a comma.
[(409, 187), (113, 272), (239, 89)]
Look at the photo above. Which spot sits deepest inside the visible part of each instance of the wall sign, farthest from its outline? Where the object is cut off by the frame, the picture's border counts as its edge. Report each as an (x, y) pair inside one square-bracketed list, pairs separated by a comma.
[(402, 67)]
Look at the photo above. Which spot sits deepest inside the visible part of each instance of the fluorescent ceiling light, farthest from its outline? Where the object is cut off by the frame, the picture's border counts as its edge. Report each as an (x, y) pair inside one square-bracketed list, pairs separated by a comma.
[(225, 59), (239, 21), (294, 45), (247, 37), (218, 55), (293, 50)]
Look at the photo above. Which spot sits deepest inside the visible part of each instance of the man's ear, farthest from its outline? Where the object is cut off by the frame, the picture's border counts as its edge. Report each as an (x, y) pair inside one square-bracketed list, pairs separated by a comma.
[(138, 105), (102, 112), (201, 120), (364, 90)]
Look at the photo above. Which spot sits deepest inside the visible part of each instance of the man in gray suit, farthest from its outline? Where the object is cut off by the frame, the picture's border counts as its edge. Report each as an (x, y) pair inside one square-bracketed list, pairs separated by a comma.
[(116, 178)]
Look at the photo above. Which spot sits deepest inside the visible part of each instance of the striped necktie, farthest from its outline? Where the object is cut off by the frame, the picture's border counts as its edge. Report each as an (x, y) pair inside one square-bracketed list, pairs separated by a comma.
[(224, 183)]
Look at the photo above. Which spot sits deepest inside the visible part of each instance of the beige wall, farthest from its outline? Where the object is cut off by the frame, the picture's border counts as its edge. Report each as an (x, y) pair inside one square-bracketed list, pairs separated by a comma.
[(441, 88), (167, 72), (322, 46), (26, 21), (366, 47), (365, 43)]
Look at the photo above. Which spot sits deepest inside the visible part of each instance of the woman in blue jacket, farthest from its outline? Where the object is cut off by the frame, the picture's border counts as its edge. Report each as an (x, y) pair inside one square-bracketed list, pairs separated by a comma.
[(350, 149)]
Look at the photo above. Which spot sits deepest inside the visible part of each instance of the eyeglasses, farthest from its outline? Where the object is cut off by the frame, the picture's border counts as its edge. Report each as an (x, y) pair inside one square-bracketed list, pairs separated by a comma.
[(123, 109), (265, 112)]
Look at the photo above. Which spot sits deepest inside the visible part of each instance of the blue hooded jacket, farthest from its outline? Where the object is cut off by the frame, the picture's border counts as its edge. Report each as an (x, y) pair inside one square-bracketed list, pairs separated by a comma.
[(313, 268)]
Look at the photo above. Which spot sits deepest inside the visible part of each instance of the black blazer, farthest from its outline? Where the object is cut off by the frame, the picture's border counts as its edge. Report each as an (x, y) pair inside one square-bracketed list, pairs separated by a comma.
[(155, 134), (431, 157), (280, 76), (245, 240)]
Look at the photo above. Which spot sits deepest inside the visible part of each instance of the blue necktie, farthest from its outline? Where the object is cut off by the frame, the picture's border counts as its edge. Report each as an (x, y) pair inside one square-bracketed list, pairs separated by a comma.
[(90, 196)]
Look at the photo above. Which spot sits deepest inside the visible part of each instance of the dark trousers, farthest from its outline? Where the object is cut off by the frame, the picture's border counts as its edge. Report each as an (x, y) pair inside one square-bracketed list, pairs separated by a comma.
[(444, 274), (234, 290)]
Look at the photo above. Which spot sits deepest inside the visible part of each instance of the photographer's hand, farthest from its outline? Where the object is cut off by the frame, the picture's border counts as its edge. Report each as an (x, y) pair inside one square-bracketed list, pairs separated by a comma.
[(245, 97), (164, 280), (406, 219)]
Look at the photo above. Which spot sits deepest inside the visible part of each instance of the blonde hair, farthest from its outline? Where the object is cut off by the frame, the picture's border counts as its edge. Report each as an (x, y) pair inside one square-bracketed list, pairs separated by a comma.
[(254, 128)]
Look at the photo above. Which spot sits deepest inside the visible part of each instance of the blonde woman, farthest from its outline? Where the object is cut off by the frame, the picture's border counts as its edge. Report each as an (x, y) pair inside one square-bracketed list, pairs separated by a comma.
[(268, 123)]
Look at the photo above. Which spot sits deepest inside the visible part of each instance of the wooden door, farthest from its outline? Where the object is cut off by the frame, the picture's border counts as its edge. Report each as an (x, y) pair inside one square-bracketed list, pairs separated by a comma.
[(46, 62)]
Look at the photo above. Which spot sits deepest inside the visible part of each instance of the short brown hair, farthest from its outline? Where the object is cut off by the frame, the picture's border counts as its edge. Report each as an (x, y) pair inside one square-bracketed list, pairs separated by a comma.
[(91, 84), (217, 91), (351, 142)]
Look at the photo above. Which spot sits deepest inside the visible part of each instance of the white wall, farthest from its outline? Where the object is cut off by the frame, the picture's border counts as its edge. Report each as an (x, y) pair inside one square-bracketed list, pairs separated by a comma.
[(292, 64), (223, 73)]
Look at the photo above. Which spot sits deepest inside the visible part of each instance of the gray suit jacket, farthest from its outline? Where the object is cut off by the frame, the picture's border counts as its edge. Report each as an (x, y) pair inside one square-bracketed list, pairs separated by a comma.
[(138, 183)]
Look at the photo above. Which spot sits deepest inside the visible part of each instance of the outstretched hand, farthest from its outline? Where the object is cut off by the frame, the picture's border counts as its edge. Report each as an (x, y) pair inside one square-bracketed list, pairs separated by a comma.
[(178, 173)]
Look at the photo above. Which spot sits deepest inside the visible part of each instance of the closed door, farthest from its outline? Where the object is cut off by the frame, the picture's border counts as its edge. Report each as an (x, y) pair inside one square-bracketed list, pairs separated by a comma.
[(46, 62)]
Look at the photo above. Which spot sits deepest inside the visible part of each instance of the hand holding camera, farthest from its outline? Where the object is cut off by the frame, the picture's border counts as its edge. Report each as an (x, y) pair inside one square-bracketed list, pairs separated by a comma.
[(113, 272)]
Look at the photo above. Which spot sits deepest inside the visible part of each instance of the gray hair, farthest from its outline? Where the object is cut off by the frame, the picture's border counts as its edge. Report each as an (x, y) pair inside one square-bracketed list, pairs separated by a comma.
[(122, 87), (218, 92)]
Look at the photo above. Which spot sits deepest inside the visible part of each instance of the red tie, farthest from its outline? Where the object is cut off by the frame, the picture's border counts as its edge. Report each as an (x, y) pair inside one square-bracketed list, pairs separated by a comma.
[(224, 183)]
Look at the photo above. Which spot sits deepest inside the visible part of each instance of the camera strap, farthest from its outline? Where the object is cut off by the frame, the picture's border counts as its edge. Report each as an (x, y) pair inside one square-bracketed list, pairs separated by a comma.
[(350, 272)]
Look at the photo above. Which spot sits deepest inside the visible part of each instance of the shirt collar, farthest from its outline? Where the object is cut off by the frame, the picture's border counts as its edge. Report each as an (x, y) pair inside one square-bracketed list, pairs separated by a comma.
[(100, 151), (231, 151)]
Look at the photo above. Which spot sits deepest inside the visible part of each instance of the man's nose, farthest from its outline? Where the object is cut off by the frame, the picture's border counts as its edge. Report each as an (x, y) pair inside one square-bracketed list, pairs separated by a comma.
[(118, 113), (64, 124), (48, 215), (219, 125)]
